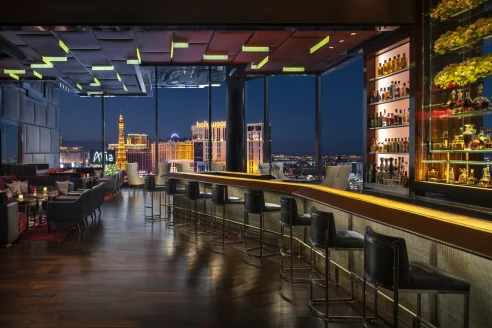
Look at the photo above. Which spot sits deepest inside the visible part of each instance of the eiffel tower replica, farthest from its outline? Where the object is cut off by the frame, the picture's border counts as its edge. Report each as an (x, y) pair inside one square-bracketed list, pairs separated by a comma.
[(121, 154)]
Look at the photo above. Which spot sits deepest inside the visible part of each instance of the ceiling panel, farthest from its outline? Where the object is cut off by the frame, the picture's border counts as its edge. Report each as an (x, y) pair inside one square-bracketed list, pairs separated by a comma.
[(12, 37), (122, 67), (111, 84), (91, 57), (311, 34), (30, 53), (228, 42), (133, 89), (81, 78), (70, 66), (271, 39), (10, 64), (129, 79), (104, 74), (156, 57), (154, 41), (114, 35), (193, 36), (44, 44), (192, 54), (294, 48), (119, 49), (249, 57), (79, 40)]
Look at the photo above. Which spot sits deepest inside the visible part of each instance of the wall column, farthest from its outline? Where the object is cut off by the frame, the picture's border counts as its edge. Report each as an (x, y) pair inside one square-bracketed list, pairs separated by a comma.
[(236, 124)]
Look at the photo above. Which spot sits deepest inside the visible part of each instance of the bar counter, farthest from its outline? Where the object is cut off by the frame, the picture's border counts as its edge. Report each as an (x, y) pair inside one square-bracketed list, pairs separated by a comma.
[(458, 244)]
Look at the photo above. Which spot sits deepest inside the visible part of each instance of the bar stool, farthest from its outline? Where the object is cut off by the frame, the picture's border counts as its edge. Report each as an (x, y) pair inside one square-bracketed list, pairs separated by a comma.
[(289, 217), (171, 190), (221, 197), (325, 236), (192, 193), (386, 264), (254, 203), (149, 187)]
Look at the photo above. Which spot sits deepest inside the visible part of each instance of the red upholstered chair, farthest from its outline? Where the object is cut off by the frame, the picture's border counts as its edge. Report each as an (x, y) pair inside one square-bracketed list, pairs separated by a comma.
[(12, 223), (22, 222)]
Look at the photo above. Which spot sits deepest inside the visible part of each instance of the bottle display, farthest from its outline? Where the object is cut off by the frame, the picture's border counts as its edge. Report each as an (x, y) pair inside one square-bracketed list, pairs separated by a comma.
[(392, 65)]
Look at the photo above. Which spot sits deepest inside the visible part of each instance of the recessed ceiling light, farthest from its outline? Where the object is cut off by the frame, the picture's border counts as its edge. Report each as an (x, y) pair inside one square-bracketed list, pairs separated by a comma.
[(255, 49), (54, 59), (293, 69), (39, 76), (215, 57), (254, 66), (353, 33), (340, 41), (320, 44), (93, 84), (45, 65), (14, 76), (63, 46), (331, 47), (14, 71), (103, 68)]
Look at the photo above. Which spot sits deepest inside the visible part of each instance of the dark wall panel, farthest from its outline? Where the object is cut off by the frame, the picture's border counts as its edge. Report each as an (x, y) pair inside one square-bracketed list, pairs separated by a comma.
[(51, 116), (44, 140), (10, 103), (39, 115), (31, 138), (26, 110)]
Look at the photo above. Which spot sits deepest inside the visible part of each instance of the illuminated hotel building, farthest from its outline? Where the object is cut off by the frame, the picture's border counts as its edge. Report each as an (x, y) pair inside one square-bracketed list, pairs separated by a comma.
[(200, 136), (173, 150), (69, 155), (255, 145)]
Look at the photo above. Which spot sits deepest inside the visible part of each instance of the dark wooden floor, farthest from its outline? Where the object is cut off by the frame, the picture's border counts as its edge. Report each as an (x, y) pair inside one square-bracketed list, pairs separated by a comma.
[(124, 272)]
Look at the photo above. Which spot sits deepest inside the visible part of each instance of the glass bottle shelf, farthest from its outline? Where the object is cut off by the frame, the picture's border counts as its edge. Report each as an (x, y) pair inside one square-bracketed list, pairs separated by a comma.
[(388, 75), (388, 101), (481, 112), (462, 151), (374, 153), (390, 127), (437, 161)]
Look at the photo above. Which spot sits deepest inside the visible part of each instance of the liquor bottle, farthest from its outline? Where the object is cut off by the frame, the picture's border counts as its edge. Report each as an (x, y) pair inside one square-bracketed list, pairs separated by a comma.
[(485, 181), (468, 103), (481, 102), (394, 64), (408, 116), (397, 118), (385, 145), (452, 99), (391, 168), (488, 141), (397, 146), (471, 181), (383, 94), (406, 146), (388, 94), (403, 91), (391, 119), (385, 68), (380, 119), (398, 62), (401, 118), (373, 180), (378, 96), (397, 90), (404, 61), (404, 181), (371, 124), (445, 140), (380, 70), (370, 100), (392, 89), (407, 88), (390, 66), (385, 119)]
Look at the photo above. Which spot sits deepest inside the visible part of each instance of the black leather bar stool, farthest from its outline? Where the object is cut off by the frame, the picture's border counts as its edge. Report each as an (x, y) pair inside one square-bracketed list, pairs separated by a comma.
[(386, 264), (325, 237), (289, 217), (254, 203), (220, 196), (171, 190), (150, 188), (193, 194)]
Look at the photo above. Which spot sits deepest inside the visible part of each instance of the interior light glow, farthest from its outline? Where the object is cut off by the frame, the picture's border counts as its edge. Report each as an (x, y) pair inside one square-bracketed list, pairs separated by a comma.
[(180, 44), (14, 71), (255, 49), (118, 76), (331, 47), (138, 56), (39, 76), (263, 62), (293, 69), (90, 93), (79, 86), (319, 44), (12, 75), (340, 41), (97, 82), (54, 59), (132, 62), (103, 68), (63, 46), (215, 57), (353, 33)]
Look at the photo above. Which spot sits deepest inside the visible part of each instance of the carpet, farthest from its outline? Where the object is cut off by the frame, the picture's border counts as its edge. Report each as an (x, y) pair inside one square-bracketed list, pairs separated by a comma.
[(40, 232), (108, 196)]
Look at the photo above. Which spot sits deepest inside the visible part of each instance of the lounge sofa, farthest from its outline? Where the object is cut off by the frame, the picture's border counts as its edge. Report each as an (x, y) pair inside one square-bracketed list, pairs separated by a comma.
[(12, 222)]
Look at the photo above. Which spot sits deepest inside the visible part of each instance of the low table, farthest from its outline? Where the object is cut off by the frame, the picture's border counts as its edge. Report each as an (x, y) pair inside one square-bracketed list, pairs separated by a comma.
[(28, 207)]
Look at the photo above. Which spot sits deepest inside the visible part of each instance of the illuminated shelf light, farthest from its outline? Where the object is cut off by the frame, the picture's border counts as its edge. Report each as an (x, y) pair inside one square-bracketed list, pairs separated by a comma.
[(215, 57), (39, 76), (63, 46), (263, 62), (14, 76), (388, 75), (181, 45), (79, 86), (320, 44), (293, 69), (54, 59), (331, 47), (255, 49), (14, 71), (103, 68)]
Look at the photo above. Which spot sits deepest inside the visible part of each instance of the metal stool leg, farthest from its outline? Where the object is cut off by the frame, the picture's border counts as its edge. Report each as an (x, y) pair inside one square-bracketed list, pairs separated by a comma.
[(250, 250), (221, 240)]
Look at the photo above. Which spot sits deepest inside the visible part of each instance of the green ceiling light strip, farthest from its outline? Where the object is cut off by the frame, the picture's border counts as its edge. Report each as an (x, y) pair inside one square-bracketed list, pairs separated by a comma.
[(63, 46), (124, 87), (293, 69), (181, 45), (138, 56), (254, 66), (39, 76), (103, 68), (14, 76), (45, 65), (118, 76), (320, 44), (263, 62), (14, 71), (97, 82), (172, 49), (132, 62), (255, 49), (215, 57), (79, 86), (90, 93), (54, 59)]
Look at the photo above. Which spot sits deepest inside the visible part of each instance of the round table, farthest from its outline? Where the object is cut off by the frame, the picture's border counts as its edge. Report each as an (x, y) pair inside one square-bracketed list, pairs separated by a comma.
[(28, 207)]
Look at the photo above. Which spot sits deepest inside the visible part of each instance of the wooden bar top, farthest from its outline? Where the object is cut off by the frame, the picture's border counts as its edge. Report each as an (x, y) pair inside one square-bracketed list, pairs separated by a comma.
[(462, 232)]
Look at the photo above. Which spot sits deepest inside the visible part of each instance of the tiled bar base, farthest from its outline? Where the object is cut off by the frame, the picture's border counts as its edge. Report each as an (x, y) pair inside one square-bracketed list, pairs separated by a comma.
[(441, 310)]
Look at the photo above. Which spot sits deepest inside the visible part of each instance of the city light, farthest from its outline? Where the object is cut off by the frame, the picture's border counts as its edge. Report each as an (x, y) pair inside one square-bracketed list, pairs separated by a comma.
[(320, 44)]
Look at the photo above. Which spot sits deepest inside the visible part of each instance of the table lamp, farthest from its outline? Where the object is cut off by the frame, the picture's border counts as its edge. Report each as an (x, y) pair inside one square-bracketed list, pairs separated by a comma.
[(45, 190), (21, 198)]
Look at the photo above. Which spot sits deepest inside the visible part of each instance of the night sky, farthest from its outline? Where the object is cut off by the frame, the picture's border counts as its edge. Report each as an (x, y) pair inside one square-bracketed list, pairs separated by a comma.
[(291, 113)]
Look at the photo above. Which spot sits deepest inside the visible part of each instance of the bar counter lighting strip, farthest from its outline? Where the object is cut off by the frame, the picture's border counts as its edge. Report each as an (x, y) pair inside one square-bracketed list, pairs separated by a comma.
[(215, 57), (255, 49), (14, 71), (293, 69), (320, 44), (103, 68)]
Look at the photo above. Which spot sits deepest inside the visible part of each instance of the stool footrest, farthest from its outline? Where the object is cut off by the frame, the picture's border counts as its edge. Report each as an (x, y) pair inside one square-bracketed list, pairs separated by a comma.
[(249, 251), (327, 318), (221, 241)]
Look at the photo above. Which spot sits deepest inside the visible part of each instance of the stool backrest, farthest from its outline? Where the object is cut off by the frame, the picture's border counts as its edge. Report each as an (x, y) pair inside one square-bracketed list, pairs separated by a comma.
[(386, 260), (278, 171), (217, 167), (254, 200), (183, 167), (342, 177), (219, 194), (162, 169), (264, 168), (288, 211), (192, 190), (170, 186), (321, 224), (132, 172)]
